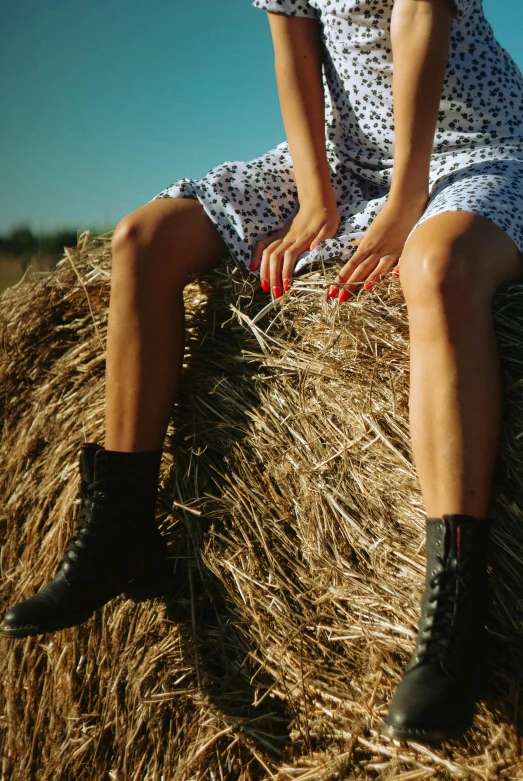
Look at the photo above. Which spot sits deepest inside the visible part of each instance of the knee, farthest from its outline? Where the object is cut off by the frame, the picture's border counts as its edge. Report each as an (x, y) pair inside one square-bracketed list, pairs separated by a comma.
[(142, 246), (131, 233), (441, 274), (129, 260)]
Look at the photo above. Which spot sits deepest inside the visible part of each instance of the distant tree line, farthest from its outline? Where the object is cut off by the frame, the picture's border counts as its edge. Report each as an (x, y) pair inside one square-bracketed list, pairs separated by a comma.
[(23, 243)]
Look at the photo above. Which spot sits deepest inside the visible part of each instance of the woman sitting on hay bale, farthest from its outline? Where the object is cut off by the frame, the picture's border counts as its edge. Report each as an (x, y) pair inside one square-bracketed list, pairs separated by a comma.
[(358, 179)]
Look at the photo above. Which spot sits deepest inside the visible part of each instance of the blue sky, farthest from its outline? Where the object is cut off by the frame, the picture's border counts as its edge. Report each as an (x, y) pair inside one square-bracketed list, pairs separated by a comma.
[(105, 103)]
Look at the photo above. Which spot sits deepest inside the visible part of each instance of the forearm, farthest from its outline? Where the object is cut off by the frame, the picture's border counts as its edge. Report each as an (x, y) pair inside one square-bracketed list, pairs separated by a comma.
[(420, 36), (298, 55)]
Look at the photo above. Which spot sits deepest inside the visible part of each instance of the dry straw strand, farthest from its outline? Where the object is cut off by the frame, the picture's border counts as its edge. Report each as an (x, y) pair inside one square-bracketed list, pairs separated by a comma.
[(294, 523)]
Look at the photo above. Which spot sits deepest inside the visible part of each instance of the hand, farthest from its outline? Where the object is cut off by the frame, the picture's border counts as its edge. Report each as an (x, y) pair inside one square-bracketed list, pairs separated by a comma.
[(277, 254), (380, 248)]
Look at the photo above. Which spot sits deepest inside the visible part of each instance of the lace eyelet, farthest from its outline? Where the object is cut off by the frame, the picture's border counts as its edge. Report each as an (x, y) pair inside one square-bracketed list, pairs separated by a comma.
[(101, 494), (103, 469)]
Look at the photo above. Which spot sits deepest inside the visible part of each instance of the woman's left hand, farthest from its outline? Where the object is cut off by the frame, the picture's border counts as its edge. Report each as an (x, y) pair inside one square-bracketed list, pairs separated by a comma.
[(380, 248)]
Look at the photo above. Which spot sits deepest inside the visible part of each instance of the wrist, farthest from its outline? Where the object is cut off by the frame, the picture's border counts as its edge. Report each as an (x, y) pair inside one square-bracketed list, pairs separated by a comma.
[(410, 181), (317, 197), (408, 197)]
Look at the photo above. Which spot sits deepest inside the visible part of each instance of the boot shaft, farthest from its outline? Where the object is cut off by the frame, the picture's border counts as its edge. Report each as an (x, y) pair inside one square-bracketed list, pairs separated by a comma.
[(116, 516), (128, 480), (116, 546), (454, 601)]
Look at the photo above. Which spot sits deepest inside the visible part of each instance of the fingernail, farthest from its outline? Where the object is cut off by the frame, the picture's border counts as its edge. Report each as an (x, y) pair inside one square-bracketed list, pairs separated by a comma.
[(344, 295), (396, 271), (276, 291), (368, 284), (253, 267), (265, 286), (333, 292), (286, 285)]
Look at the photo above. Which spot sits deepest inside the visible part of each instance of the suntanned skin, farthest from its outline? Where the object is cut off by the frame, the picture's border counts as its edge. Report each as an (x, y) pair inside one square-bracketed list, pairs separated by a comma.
[(450, 267), (420, 37), (298, 62)]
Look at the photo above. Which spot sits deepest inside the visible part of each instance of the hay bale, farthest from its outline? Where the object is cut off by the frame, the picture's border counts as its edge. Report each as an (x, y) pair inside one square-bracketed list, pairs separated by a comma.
[(295, 527)]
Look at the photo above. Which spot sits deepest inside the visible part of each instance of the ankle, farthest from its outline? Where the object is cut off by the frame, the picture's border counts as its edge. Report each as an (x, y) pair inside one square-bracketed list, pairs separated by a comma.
[(134, 451), (459, 517)]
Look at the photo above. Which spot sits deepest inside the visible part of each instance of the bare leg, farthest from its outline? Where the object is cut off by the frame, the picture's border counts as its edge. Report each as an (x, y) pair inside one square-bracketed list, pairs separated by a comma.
[(154, 250), (450, 268)]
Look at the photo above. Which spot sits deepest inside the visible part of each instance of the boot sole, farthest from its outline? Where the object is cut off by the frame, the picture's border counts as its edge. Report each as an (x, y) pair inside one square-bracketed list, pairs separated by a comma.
[(31, 630), (422, 735), (145, 586), (148, 584)]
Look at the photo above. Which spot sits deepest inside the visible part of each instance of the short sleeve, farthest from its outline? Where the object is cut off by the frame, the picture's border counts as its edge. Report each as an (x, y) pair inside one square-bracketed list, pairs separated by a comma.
[(462, 7), (288, 7)]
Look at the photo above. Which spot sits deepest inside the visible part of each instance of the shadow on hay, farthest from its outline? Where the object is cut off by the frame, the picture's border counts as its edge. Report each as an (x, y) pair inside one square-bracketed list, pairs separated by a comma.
[(71, 689), (199, 602), (171, 687), (202, 432), (503, 684)]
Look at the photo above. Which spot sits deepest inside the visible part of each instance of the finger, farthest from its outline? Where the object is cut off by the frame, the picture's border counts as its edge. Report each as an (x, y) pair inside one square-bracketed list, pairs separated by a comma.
[(386, 262), (289, 261), (258, 250), (265, 264), (357, 278), (275, 267), (396, 269), (361, 254), (348, 269)]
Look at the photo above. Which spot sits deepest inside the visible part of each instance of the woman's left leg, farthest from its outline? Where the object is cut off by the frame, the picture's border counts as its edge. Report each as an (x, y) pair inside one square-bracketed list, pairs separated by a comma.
[(450, 268)]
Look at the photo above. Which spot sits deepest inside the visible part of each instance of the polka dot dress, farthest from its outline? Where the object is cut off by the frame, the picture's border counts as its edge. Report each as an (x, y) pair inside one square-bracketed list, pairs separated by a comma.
[(477, 156)]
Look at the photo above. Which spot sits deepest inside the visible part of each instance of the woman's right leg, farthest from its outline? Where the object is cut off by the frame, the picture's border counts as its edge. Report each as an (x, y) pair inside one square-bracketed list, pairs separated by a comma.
[(116, 545), (155, 248)]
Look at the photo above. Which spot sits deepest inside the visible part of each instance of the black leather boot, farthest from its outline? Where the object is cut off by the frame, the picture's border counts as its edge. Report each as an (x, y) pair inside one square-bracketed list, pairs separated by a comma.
[(116, 545), (434, 699)]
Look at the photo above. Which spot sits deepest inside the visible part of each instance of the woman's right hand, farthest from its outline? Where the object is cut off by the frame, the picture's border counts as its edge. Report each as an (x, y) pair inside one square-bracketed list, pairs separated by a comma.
[(276, 255)]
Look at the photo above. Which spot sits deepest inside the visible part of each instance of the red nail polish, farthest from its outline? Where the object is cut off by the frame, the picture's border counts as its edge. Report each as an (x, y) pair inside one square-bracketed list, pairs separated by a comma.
[(276, 291), (333, 292), (253, 267), (265, 286), (286, 285), (344, 295), (368, 285), (396, 271)]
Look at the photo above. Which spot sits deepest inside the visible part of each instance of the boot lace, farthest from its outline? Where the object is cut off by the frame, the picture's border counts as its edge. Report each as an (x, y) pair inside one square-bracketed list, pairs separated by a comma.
[(446, 582), (93, 508)]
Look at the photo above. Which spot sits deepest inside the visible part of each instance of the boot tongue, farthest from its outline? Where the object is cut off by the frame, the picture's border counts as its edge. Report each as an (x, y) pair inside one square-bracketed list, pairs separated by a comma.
[(457, 527), (87, 453), (452, 536)]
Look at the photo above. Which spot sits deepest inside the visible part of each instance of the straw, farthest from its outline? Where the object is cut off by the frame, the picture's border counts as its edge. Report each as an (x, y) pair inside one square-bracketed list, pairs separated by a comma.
[(295, 528)]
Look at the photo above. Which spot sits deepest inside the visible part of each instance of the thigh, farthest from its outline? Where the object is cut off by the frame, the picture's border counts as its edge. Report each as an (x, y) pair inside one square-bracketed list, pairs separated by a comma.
[(473, 224), (173, 229), (247, 201)]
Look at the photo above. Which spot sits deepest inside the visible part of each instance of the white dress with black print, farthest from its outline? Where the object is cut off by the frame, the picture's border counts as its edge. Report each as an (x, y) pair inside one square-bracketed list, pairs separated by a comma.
[(477, 156)]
